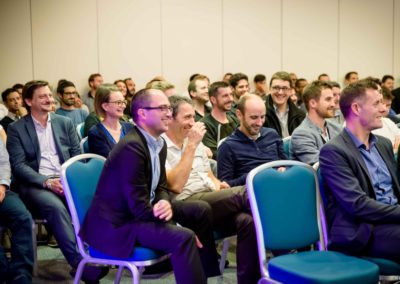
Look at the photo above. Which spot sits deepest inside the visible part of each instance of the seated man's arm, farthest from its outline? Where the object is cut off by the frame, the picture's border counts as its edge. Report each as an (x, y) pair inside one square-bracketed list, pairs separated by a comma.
[(210, 140), (226, 166), (344, 185), (18, 159), (5, 171), (304, 147)]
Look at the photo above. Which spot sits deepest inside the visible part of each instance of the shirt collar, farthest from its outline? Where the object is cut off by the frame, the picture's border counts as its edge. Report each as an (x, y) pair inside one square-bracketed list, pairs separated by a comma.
[(37, 123), (359, 144), (153, 143)]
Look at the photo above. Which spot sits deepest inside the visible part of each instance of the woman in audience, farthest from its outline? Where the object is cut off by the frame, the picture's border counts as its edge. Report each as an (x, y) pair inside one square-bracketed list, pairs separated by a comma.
[(109, 104)]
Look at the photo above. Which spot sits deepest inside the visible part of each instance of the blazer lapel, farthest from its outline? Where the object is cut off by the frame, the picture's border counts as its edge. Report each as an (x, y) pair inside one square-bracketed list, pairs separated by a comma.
[(30, 128), (57, 132)]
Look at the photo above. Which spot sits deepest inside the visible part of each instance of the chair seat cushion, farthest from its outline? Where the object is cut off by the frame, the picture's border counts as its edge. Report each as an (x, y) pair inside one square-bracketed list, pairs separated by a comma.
[(322, 267), (386, 267), (139, 254)]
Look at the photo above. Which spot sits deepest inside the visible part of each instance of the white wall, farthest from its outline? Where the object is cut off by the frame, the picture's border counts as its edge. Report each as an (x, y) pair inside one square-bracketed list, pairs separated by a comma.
[(53, 39)]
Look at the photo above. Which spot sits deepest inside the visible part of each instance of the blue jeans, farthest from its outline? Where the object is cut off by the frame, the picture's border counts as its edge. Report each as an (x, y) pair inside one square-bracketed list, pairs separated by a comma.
[(14, 216)]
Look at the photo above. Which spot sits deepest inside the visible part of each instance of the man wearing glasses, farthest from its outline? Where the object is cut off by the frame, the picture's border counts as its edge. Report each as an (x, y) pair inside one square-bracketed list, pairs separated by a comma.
[(282, 114), (67, 94), (132, 208)]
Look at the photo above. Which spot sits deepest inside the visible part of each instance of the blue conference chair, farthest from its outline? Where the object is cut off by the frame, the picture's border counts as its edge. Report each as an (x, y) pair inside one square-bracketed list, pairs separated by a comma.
[(79, 130), (286, 146), (285, 207), (389, 270), (79, 177), (84, 145)]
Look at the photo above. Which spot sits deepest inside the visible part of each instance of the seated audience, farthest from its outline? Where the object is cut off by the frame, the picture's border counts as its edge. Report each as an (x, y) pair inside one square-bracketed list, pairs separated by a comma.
[(109, 104), (389, 129), (38, 144), (13, 102), (240, 84), (67, 93), (324, 77), (360, 179), (338, 117), (166, 87), (299, 86), (282, 114), (15, 217), (315, 130), (132, 208), (227, 77), (250, 145), (121, 85), (189, 176), (388, 82), (94, 81), (350, 77), (79, 104), (218, 123), (130, 84), (260, 84)]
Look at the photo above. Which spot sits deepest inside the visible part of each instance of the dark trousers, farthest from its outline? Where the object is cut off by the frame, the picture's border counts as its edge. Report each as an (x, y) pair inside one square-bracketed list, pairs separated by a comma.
[(14, 216), (188, 266), (385, 242), (232, 213), (53, 208)]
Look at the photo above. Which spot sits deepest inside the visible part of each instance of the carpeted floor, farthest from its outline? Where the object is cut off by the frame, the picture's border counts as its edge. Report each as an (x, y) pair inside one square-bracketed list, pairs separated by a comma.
[(54, 269)]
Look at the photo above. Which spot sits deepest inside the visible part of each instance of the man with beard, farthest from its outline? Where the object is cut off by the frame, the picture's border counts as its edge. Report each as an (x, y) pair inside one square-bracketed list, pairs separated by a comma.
[(218, 123), (315, 131), (198, 91), (67, 94), (13, 101), (250, 145)]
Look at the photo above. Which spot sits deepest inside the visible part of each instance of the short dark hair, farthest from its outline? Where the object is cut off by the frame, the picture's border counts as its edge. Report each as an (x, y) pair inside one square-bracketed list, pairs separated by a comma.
[(348, 74), (322, 75), (259, 78), (93, 76), (334, 84), (313, 91), (176, 101), (281, 75), (18, 86), (6, 92), (353, 92), (387, 94), (234, 81), (213, 90), (140, 99), (387, 77), (64, 84), (29, 89), (192, 84)]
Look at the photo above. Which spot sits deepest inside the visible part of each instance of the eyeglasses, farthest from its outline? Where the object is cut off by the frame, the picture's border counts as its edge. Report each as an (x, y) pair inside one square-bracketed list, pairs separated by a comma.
[(119, 103), (278, 88), (163, 108)]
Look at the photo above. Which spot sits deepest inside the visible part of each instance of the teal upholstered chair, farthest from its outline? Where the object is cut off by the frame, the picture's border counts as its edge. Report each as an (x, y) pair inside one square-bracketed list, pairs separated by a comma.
[(389, 270), (84, 145), (286, 146), (285, 207), (79, 177)]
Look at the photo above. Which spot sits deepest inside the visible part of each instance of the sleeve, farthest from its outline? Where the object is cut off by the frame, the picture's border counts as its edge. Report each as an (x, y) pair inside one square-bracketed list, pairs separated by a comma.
[(226, 164), (19, 162), (5, 170), (210, 138), (344, 184), (304, 147)]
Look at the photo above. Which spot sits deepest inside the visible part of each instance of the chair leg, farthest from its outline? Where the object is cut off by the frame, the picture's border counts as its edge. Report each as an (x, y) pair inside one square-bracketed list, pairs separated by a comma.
[(79, 271), (119, 274), (224, 254), (34, 245), (135, 273)]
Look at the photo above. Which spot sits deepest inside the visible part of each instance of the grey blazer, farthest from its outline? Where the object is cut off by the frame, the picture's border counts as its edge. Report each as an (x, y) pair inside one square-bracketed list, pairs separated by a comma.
[(306, 140), (24, 150), (352, 209)]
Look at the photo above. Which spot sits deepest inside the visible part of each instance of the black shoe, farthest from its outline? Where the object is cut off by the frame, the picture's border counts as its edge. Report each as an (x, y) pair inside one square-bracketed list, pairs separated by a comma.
[(162, 267), (91, 274), (52, 242)]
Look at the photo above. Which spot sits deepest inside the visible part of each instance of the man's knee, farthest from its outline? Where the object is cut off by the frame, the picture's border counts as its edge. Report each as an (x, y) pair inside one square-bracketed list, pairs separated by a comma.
[(244, 222)]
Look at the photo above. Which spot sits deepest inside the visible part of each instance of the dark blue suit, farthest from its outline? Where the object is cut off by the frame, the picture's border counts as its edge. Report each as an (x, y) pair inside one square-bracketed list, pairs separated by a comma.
[(121, 213), (24, 150), (358, 224)]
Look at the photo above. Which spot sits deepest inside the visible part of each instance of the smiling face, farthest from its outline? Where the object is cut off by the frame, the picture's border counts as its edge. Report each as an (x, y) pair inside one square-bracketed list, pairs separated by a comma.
[(325, 106), (41, 101), (223, 100), (115, 106), (183, 121), (280, 91), (252, 120), (371, 110), (242, 88)]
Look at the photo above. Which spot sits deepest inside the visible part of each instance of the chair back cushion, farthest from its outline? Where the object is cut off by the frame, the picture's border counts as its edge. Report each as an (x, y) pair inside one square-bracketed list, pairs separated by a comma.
[(287, 206)]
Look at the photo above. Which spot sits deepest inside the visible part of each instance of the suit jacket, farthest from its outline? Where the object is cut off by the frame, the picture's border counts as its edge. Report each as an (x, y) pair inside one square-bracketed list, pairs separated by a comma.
[(100, 143), (24, 150), (122, 197), (6, 121), (306, 140), (352, 209)]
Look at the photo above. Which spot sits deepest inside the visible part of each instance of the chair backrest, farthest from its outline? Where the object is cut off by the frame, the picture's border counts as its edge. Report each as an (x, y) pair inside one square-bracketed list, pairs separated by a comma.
[(79, 129), (285, 205), (286, 146), (323, 203), (84, 145), (79, 177)]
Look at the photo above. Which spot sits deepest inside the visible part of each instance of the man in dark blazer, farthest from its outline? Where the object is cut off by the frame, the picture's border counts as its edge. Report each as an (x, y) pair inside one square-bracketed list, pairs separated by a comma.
[(361, 186), (131, 206), (38, 144)]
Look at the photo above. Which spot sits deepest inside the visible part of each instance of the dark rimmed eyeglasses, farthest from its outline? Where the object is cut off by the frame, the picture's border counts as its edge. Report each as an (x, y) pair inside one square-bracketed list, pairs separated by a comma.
[(119, 103)]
